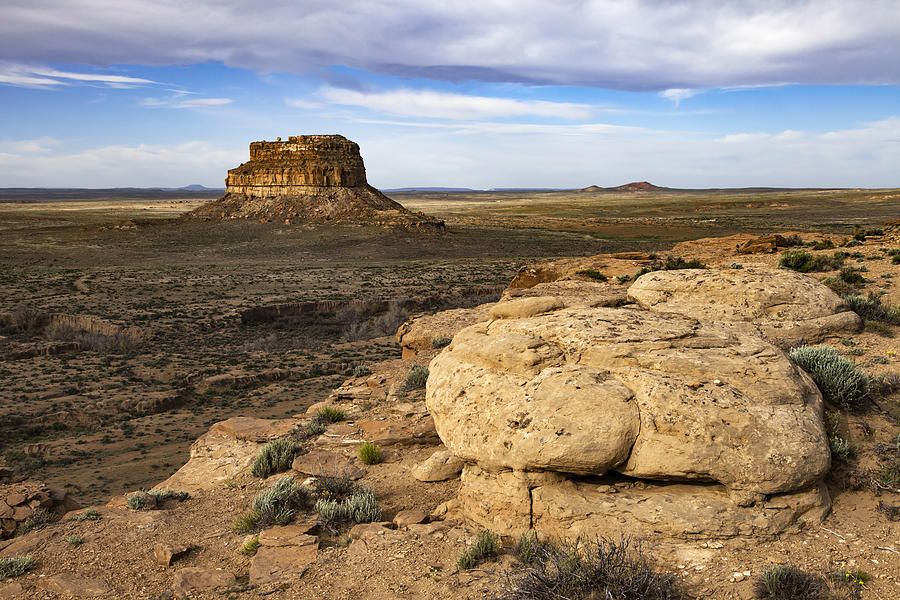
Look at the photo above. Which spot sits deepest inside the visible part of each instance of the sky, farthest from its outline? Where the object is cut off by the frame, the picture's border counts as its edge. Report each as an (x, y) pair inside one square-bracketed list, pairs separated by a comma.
[(479, 94)]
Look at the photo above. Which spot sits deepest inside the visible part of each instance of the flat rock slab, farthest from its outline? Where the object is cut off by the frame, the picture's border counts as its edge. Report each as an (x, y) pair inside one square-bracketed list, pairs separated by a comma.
[(8, 591), (281, 564), (322, 463), (255, 430), (412, 516), (74, 585), (196, 579), (389, 433), (288, 535)]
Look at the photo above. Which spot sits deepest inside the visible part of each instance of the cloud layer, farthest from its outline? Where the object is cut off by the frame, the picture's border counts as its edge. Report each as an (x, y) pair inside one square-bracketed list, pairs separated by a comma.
[(643, 45)]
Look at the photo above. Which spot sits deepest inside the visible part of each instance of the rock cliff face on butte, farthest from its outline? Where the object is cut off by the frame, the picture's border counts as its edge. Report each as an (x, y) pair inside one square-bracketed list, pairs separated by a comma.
[(308, 178)]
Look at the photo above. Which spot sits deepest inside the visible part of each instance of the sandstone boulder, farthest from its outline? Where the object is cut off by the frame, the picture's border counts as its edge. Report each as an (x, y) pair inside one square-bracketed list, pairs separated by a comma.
[(440, 466), (415, 335), (784, 307), (664, 397), (572, 293)]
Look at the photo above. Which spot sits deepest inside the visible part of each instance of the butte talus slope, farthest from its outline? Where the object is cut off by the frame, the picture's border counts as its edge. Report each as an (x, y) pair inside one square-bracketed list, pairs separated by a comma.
[(308, 178)]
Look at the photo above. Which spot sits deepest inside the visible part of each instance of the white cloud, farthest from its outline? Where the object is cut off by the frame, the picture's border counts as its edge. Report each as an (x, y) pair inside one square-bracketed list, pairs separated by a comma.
[(178, 101), (645, 45), (676, 95), (23, 75), (445, 105), (142, 165)]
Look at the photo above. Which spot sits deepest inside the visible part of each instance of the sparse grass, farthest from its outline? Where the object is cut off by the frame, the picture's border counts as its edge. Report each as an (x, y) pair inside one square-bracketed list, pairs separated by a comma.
[(587, 569), (807, 262), (165, 494), (790, 583), (250, 547), (888, 476), (39, 517), (841, 382), (592, 274), (275, 457), (369, 454), (15, 566), (246, 523), (417, 377), (825, 244), (440, 341), (330, 414), (852, 276), (334, 486), (527, 547), (90, 514), (486, 545)]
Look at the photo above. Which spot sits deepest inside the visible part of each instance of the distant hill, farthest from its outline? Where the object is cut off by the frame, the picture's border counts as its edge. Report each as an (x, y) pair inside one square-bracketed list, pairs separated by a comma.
[(429, 189), (634, 186), (194, 187)]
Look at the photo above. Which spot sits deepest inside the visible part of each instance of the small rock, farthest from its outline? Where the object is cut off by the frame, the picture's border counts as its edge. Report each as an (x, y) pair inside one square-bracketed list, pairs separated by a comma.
[(281, 564), (367, 529), (410, 517), (321, 463), (8, 591), (164, 553), (288, 535), (440, 466)]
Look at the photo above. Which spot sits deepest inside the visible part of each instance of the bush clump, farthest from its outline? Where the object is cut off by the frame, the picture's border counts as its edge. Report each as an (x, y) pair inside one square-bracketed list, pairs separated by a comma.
[(440, 341), (281, 502), (417, 377), (872, 309), (841, 382), (40, 516), (15, 566), (275, 457), (486, 545), (369, 454), (360, 507), (593, 274), (671, 263), (590, 568), (807, 262), (361, 371), (790, 583)]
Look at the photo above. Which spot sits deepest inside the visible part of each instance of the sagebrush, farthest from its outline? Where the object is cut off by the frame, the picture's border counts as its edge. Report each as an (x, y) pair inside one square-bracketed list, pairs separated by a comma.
[(841, 382)]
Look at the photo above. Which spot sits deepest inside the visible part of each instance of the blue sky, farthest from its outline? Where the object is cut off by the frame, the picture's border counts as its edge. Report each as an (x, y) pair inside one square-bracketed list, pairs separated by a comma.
[(487, 93)]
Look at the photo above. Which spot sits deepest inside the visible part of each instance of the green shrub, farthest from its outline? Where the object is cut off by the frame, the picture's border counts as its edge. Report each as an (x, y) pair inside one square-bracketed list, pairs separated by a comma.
[(888, 477), (838, 285), (528, 546), (76, 540), (315, 427), (369, 454), (807, 262), (15, 566), (140, 501), (280, 503), (672, 263), (360, 507), (590, 568), (361, 371), (790, 583), (250, 547), (852, 276), (275, 457), (440, 341), (841, 382), (792, 241), (841, 449), (90, 514), (417, 377), (825, 244), (872, 309), (330, 414), (596, 275), (486, 544)]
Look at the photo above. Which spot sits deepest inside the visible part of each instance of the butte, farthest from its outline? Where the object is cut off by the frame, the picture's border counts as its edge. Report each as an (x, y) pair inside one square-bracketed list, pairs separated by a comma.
[(308, 178)]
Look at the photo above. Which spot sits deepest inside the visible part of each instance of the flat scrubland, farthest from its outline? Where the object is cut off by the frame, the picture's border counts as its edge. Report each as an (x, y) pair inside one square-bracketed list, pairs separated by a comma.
[(205, 321), (77, 419)]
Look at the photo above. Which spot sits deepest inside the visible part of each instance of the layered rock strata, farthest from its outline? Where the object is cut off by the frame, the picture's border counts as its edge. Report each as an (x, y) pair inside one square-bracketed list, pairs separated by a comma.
[(308, 178), (574, 418)]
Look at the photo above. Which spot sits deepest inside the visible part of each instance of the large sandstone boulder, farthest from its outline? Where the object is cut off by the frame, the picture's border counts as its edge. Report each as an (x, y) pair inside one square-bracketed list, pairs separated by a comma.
[(784, 307), (663, 397)]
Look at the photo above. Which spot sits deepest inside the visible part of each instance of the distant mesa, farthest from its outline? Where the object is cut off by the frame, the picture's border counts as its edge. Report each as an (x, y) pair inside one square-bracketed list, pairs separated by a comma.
[(634, 186), (308, 178)]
